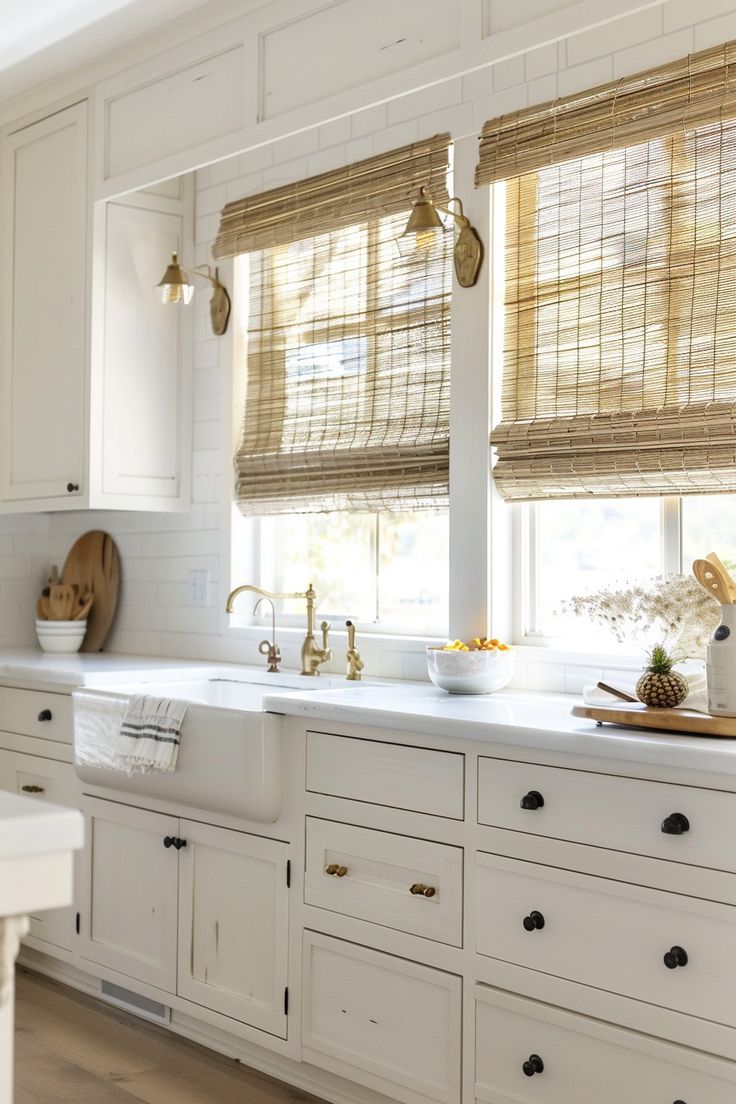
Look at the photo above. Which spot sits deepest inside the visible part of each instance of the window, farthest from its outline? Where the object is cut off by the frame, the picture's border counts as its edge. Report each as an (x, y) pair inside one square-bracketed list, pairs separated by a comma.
[(342, 468)]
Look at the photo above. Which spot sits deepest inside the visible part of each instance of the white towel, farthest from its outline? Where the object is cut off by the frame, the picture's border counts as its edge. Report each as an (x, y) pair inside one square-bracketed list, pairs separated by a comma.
[(150, 733), (696, 699), (99, 740)]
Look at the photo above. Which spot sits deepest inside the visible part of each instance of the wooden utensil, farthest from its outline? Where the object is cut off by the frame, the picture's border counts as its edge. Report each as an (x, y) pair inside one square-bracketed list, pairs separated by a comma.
[(62, 601), (709, 576), (94, 565), (42, 608), (664, 720), (713, 559), (621, 694), (83, 609)]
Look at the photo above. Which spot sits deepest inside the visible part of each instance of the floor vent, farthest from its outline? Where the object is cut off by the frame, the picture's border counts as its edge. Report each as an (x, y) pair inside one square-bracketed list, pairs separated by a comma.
[(134, 1002)]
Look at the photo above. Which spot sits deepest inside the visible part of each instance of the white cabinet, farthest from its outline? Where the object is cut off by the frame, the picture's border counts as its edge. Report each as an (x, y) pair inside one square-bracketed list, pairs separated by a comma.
[(44, 780), (155, 884), (384, 1022), (233, 917), (96, 405), (43, 186)]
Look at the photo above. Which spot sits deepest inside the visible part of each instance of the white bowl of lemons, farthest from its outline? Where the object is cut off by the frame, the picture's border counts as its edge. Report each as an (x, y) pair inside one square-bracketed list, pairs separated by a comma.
[(479, 667)]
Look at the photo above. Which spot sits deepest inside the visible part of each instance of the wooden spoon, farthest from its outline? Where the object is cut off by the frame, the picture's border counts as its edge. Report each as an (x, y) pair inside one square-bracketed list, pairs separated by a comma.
[(709, 576), (63, 601), (731, 585), (84, 607)]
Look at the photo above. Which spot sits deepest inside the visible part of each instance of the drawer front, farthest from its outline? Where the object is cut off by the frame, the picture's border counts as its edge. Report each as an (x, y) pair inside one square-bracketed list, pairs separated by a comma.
[(418, 779), (625, 814), (408, 884), (609, 935), (582, 1060), (45, 780), (36, 713), (381, 1021)]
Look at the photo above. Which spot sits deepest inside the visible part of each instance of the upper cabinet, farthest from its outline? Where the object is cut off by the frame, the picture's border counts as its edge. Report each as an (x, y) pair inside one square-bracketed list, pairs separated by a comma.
[(95, 374)]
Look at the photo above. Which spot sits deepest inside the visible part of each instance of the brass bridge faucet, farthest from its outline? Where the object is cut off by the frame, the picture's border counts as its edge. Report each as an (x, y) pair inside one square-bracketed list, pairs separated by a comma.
[(312, 655)]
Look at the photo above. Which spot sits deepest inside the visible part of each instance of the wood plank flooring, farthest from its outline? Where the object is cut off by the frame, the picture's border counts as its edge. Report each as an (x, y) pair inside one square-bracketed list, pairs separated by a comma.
[(70, 1049)]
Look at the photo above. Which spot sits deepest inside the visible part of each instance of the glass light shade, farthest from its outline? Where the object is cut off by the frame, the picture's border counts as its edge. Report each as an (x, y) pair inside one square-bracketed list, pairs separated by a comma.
[(174, 286)]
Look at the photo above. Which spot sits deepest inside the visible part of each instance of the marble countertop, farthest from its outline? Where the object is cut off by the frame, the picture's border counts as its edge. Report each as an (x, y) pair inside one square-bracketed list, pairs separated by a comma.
[(521, 718), (99, 669)]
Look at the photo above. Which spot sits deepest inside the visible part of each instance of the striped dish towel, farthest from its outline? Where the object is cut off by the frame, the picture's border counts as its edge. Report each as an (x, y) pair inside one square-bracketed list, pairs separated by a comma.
[(149, 734)]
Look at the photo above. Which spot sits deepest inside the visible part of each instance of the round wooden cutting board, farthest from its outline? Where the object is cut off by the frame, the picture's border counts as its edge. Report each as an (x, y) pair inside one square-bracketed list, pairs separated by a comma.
[(93, 564)]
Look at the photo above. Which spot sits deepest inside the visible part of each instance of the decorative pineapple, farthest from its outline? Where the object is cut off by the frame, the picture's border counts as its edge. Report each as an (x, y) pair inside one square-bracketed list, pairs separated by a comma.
[(660, 685)]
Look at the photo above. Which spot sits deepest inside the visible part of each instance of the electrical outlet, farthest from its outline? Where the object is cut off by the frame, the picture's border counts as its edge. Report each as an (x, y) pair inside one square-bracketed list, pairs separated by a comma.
[(198, 588)]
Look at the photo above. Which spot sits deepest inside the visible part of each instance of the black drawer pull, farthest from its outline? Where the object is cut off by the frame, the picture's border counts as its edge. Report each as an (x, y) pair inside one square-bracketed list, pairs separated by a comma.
[(532, 800), (179, 843), (675, 824), (169, 841), (72, 487), (44, 715), (674, 957), (533, 1064), (533, 922)]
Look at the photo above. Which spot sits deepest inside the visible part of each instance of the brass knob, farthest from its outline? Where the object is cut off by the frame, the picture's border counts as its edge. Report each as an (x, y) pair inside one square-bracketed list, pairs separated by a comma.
[(429, 891), (331, 869), (33, 789), (341, 871), (421, 890)]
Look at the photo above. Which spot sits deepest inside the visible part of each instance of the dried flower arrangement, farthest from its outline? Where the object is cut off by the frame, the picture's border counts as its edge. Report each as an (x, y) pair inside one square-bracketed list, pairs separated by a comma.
[(672, 609)]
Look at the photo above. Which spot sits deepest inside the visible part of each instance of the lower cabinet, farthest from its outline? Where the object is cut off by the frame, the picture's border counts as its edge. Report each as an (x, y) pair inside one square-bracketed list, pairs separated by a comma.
[(46, 780), (194, 910), (385, 1022), (526, 1051)]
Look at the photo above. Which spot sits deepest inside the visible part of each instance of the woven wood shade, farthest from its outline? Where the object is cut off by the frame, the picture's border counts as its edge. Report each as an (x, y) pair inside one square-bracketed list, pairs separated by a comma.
[(382, 185), (620, 344), (683, 95), (348, 388)]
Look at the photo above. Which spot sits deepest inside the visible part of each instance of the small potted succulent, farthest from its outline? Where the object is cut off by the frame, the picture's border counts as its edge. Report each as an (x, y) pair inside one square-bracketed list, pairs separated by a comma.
[(660, 686)]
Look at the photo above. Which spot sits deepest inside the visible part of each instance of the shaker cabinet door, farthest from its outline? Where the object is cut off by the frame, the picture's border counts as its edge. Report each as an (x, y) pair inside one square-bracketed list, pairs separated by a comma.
[(43, 197)]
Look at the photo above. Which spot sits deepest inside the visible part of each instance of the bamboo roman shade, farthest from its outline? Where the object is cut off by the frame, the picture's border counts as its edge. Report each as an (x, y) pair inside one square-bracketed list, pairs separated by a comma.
[(348, 342), (620, 292)]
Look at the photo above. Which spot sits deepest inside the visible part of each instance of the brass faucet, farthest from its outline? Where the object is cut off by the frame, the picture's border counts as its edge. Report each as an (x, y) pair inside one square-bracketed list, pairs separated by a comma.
[(312, 656), (269, 648), (355, 663)]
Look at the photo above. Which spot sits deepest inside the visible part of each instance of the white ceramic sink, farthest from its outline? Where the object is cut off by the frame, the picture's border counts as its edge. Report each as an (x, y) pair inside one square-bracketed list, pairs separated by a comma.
[(230, 757)]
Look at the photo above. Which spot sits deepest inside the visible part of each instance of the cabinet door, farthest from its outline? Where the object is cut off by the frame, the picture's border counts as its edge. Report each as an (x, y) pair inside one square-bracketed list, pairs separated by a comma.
[(233, 916), (44, 780), (129, 913), (44, 333), (140, 433)]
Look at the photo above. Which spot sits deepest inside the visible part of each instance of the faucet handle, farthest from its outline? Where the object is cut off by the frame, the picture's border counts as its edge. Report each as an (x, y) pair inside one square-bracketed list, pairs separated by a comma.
[(325, 627), (355, 663), (271, 650)]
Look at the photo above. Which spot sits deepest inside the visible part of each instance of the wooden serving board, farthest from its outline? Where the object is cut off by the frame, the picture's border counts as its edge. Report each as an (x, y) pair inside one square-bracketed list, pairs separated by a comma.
[(636, 715), (93, 564)]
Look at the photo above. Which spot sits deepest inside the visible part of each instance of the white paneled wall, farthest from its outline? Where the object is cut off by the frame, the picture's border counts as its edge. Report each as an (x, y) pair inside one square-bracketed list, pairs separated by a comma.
[(158, 552)]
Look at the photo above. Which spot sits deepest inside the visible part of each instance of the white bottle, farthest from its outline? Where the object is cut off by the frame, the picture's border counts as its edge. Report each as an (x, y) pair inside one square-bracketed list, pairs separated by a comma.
[(720, 667)]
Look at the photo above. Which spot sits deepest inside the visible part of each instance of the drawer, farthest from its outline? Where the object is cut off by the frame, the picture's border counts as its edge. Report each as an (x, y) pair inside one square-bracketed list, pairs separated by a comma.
[(375, 875), (36, 713), (381, 1021), (583, 1061), (418, 779), (624, 814), (609, 935), (46, 780)]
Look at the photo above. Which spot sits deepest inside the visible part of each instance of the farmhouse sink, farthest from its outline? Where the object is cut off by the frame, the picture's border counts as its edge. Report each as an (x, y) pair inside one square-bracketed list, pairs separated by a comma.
[(230, 758)]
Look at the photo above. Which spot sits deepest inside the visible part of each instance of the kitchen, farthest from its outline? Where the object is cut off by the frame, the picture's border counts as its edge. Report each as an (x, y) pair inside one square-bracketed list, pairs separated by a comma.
[(231, 134)]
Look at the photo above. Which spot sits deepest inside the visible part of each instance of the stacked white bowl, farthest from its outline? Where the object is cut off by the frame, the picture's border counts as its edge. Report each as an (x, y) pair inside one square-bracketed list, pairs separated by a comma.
[(60, 636)]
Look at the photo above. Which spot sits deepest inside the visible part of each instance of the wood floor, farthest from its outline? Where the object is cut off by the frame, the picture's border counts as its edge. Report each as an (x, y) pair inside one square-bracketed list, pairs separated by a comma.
[(72, 1050)]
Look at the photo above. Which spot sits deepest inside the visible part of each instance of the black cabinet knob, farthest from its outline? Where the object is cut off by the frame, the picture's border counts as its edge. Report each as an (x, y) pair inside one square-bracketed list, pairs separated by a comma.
[(71, 487), (678, 1102), (533, 1064), (179, 843), (674, 957), (532, 800), (533, 922), (44, 715), (169, 841), (675, 824)]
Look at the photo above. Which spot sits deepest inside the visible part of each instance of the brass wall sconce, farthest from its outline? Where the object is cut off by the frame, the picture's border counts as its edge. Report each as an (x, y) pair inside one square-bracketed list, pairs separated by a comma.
[(174, 287), (424, 222)]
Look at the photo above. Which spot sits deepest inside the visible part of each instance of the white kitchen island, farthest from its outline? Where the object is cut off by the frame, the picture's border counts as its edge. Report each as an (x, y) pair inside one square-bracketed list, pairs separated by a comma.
[(37, 842)]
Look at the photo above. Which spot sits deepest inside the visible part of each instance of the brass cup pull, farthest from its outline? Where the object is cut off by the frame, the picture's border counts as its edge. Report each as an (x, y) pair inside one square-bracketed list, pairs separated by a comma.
[(421, 890), (341, 871), (331, 869), (33, 789)]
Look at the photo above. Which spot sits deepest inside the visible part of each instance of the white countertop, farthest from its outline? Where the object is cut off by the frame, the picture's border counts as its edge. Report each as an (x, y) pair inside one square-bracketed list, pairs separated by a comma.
[(520, 718), (31, 827), (98, 669)]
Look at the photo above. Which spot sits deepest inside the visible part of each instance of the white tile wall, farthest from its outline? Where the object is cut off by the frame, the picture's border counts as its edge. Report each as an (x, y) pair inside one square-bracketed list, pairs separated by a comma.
[(158, 552)]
